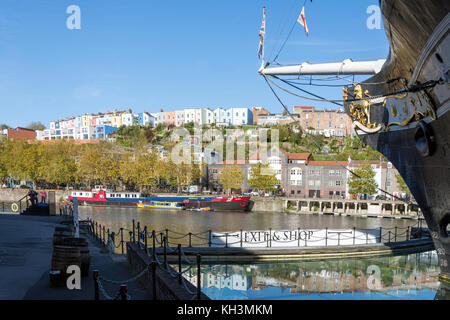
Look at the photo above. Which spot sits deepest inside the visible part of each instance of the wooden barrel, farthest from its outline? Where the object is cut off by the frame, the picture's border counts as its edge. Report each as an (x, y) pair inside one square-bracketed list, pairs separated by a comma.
[(85, 256), (63, 257), (60, 234)]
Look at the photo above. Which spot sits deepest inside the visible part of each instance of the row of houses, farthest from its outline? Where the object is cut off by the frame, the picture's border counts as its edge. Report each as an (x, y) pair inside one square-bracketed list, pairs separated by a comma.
[(299, 175), (329, 122)]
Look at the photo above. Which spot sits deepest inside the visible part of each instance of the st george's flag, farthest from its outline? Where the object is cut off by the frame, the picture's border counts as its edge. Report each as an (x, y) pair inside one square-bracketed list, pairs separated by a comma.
[(262, 33), (302, 20)]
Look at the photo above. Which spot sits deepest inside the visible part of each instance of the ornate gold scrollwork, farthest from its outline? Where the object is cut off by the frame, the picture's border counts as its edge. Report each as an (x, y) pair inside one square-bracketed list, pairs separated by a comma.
[(360, 110)]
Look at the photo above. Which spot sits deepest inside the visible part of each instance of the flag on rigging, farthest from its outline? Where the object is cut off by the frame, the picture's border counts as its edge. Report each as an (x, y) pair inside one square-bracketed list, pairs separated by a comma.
[(302, 20), (262, 33)]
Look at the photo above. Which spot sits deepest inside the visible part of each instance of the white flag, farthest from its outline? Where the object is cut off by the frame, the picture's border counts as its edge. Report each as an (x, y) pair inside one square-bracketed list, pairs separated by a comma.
[(302, 20)]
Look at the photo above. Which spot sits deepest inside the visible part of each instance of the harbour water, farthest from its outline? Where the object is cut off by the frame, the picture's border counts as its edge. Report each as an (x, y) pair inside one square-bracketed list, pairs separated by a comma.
[(406, 277), (412, 276), (184, 222)]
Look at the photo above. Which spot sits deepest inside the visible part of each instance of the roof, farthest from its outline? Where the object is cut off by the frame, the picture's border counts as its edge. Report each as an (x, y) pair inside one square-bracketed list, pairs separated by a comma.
[(327, 163), (299, 156)]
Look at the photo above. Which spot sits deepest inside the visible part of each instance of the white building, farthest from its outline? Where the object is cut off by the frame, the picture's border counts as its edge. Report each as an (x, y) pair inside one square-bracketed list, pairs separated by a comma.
[(129, 119), (219, 116), (179, 118)]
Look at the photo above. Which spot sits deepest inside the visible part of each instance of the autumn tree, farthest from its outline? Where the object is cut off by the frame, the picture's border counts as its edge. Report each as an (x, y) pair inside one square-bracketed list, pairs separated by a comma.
[(231, 177), (262, 177), (366, 183)]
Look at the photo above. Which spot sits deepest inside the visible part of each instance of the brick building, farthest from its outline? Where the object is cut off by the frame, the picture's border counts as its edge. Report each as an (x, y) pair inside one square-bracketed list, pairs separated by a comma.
[(20, 133), (258, 111), (301, 176), (329, 122)]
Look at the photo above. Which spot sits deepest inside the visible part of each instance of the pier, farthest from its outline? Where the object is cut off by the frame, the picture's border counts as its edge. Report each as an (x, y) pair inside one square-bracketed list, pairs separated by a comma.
[(363, 208)]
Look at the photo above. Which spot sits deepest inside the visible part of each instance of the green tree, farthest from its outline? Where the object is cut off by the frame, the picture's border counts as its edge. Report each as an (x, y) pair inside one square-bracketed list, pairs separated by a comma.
[(262, 177), (231, 177), (364, 185), (36, 126)]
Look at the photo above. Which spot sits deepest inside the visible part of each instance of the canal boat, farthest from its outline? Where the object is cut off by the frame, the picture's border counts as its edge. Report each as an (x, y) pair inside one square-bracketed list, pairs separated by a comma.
[(161, 205)]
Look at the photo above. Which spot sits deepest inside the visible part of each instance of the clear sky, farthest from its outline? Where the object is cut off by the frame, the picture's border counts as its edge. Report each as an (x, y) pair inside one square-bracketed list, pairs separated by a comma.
[(151, 55)]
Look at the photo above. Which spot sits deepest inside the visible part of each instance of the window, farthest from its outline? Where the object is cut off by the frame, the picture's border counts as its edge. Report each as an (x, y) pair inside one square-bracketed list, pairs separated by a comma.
[(317, 183), (338, 183), (331, 172), (311, 182)]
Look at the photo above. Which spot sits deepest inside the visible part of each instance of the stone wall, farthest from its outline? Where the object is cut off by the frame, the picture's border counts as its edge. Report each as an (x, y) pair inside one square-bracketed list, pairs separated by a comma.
[(268, 204), (167, 288), (12, 195)]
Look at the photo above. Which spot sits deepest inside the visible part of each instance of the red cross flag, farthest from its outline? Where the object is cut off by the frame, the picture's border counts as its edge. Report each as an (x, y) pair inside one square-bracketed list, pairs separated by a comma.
[(302, 20)]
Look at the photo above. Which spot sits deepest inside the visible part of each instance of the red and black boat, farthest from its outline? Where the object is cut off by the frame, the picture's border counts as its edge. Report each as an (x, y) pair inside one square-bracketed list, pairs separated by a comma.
[(220, 204)]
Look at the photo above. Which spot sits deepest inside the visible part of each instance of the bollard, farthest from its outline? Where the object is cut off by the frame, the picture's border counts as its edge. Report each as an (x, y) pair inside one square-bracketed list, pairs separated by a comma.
[(226, 240), (121, 239), (389, 239), (407, 234), (161, 238), (179, 264), (199, 288), (104, 236), (381, 234), (154, 245), (395, 235), (354, 235), (326, 237), (154, 279), (146, 242), (298, 237), (123, 292), (139, 234), (96, 293), (165, 252), (134, 235), (190, 239)]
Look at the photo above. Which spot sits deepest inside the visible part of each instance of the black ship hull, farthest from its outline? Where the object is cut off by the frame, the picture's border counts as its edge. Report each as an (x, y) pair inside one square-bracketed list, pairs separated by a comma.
[(241, 206), (412, 128)]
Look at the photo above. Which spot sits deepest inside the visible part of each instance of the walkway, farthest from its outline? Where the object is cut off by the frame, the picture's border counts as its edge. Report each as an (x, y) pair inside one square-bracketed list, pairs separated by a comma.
[(26, 245)]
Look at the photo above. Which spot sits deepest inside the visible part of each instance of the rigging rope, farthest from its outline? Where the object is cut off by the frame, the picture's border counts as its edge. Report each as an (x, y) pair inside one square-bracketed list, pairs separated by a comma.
[(326, 152)]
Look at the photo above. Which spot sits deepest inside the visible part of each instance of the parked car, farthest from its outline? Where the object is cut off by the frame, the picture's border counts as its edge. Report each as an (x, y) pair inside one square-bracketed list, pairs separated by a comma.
[(381, 197)]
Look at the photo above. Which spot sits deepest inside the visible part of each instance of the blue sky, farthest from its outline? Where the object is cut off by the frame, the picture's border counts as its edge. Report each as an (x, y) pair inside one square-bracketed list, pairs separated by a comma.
[(151, 55)]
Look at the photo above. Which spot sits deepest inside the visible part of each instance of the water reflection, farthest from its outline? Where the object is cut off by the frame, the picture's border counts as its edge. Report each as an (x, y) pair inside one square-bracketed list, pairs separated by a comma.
[(413, 276)]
